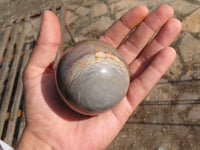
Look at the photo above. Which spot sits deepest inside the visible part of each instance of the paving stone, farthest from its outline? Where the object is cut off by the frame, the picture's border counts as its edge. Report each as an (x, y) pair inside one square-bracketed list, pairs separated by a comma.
[(193, 114), (112, 1), (174, 71), (151, 4), (192, 22), (190, 48), (171, 92), (70, 17), (153, 137), (67, 38), (82, 22), (103, 23), (96, 29), (82, 37), (183, 7), (120, 5), (191, 71), (89, 2), (120, 13), (99, 9), (72, 6), (76, 1), (82, 11)]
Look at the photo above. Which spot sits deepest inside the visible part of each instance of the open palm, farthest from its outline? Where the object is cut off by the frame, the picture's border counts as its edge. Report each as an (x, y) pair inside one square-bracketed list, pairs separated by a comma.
[(51, 124)]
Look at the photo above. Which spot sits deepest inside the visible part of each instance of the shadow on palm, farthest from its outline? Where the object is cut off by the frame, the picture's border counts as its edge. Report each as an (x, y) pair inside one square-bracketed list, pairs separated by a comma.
[(54, 100)]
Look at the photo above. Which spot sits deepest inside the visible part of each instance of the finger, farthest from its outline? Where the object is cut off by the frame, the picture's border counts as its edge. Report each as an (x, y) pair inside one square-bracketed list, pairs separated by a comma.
[(152, 74), (143, 33), (140, 87), (163, 39), (124, 25), (46, 46)]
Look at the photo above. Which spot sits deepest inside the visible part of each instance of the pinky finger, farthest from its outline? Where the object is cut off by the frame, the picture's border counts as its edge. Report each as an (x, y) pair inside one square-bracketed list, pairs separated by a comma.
[(140, 86)]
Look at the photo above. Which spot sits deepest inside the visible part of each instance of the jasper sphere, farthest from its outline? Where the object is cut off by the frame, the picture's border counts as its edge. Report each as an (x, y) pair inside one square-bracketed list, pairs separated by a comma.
[(92, 77)]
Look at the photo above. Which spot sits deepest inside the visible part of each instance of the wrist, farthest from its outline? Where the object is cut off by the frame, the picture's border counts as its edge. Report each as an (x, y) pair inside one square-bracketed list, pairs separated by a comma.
[(29, 141)]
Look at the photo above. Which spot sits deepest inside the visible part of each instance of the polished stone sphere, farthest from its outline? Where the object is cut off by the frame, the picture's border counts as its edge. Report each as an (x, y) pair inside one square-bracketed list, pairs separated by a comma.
[(92, 77)]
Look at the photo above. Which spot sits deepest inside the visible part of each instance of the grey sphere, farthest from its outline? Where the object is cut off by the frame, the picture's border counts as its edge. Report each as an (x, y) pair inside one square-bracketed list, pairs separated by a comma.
[(92, 77)]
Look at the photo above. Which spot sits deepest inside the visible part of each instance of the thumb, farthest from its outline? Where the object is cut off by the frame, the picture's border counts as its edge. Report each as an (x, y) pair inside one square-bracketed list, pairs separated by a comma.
[(46, 46)]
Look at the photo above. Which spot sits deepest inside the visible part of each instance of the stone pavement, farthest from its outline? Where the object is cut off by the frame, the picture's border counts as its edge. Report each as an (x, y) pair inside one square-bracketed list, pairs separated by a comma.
[(169, 116)]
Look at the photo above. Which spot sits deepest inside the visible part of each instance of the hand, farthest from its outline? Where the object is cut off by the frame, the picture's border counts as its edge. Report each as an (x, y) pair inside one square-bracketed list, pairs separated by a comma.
[(51, 124)]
